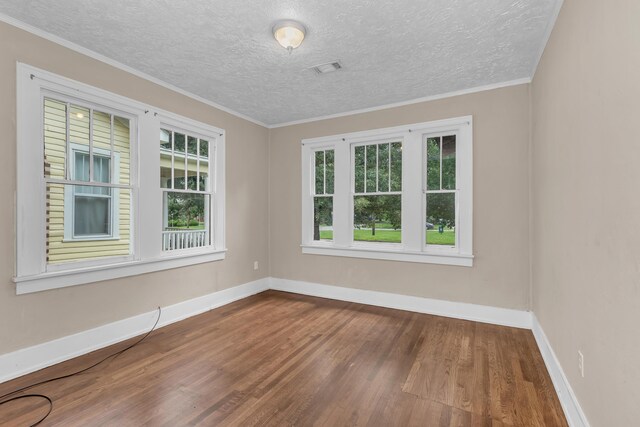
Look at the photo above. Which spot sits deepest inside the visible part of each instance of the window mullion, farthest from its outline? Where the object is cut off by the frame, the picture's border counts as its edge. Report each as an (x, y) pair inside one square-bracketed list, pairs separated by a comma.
[(342, 194), (412, 194)]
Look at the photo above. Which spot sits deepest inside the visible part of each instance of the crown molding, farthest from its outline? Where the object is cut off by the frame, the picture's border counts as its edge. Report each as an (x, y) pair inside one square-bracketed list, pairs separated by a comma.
[(99, 57), (522, 81)]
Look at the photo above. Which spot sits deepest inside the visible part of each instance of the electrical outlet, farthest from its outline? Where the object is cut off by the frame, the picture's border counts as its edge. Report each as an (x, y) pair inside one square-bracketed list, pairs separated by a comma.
[(581, 363), (255, 265)]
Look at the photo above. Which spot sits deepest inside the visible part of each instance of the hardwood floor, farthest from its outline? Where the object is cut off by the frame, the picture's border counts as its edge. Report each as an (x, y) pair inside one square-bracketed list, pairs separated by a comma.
[(283, 359)]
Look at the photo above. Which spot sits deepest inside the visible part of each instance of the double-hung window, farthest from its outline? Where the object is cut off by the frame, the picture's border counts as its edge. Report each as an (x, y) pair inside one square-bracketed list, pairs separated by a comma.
[(185, 161), (323, 167), (402, 193), (87, 171), (90, 206)]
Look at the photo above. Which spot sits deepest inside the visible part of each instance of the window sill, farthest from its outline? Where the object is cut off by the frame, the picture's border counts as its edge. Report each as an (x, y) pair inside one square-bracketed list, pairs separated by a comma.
[(62, 279), (90, 239), (391, 255)]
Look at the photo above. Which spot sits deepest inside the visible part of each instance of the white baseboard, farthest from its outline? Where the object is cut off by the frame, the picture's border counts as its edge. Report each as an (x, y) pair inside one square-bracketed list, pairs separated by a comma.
[(570, 405), (458, 310), (31, 359)]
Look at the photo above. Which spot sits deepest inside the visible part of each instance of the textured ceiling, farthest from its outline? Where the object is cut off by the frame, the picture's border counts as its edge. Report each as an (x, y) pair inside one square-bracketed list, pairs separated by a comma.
[(392, 51)]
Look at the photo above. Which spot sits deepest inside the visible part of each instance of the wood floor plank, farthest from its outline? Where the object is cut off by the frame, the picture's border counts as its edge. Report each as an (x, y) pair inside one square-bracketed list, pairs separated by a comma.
[(289, 360)]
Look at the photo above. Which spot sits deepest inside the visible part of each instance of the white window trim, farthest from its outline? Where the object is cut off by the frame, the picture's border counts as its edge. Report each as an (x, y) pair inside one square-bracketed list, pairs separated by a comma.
[(177, 125), (31, 271), (413, 247)]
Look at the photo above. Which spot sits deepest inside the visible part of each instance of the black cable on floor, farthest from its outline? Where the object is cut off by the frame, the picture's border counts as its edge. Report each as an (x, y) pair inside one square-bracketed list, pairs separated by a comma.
[(42, 396), (25, 396)]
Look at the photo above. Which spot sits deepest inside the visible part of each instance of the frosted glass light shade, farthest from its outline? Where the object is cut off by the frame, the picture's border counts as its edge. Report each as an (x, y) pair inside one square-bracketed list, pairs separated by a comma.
[(289, 34)]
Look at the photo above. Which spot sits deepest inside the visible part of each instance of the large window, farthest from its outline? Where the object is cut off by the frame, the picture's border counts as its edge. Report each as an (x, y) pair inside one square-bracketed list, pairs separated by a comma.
[(89, 203), (400, 193)]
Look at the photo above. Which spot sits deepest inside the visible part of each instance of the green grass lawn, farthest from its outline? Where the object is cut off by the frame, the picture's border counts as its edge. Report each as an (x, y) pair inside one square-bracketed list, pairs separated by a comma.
[(390, 236), (447, 238)]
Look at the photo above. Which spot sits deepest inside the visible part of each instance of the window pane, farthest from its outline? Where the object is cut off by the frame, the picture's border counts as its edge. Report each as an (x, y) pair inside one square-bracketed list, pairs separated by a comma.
[(377, 218), (165, 139), (179, 171), (55, 138), (102, 132), (79, 125), (204, 175), (165, 158), (192, 145), (372, 173), (323, 218), (179, 181), (449, 162), (433, 163), (122, 149), (383, 167), (178, 142), (396, 166), (441, 219), (204, 178), (204, 148), (359, 169), (330, 171), (91, 216), (319, 172), (80, 218), (101, 169), (186, 221), (81, 166), (192, 174)]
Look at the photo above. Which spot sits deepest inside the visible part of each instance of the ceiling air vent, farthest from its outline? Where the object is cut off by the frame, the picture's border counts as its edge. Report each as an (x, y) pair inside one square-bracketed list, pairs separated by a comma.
[(329, 67)]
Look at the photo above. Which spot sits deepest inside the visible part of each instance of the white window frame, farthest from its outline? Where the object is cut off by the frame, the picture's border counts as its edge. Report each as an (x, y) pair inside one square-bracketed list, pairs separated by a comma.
[(32, 274), (212, 214), (413, 247)]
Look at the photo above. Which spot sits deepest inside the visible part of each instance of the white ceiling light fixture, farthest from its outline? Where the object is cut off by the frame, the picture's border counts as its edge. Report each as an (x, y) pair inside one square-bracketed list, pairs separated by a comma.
[(289, 34)]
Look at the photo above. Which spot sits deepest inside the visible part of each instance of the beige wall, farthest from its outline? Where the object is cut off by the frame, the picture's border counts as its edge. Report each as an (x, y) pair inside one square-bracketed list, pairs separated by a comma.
[(35, 318), (500, 275), (586, 207)]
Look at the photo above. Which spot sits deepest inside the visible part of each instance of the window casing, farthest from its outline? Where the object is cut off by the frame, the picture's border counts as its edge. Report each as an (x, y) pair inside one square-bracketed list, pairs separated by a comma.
[(97, 211), (395, 197)]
